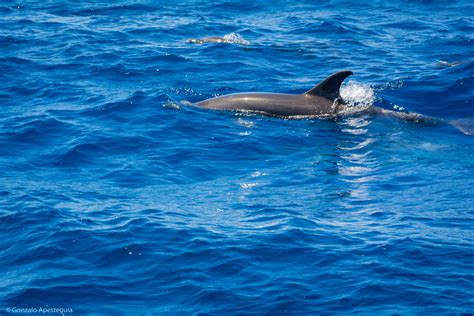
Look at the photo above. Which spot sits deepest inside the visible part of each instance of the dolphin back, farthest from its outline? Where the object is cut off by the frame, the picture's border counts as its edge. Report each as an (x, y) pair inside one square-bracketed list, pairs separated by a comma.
[(322, 100)]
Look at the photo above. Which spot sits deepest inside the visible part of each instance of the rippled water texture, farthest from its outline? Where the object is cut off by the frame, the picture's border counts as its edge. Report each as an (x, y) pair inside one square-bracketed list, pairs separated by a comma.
[(116, 196)]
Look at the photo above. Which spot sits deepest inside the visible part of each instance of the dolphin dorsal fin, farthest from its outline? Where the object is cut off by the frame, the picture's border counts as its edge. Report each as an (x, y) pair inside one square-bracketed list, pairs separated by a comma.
[(329, 87)]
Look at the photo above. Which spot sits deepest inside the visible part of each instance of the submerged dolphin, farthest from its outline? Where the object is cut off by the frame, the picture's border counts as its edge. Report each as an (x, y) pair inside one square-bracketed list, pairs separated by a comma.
[(210, 39), (323, 100), (231, 38)]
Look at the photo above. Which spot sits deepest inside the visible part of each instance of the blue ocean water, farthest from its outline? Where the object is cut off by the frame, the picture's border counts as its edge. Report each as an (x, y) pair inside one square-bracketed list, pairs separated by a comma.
[(116, 196)]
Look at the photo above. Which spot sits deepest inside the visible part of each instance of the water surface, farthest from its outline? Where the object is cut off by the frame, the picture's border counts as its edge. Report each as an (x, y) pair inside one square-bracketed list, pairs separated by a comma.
[(117, 197)]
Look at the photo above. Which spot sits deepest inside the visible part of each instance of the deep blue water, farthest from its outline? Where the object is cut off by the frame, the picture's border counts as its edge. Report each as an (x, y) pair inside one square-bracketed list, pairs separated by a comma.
[(118, 197)]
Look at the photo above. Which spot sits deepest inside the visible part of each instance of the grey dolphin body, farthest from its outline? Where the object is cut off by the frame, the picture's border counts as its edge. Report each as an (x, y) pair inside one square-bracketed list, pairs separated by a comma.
[(322, 100)]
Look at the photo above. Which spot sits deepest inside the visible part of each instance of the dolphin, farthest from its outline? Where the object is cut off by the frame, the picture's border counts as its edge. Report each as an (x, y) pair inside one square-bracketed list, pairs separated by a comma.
[(210, 39), (443, 63), (231, 38), (322, 101)]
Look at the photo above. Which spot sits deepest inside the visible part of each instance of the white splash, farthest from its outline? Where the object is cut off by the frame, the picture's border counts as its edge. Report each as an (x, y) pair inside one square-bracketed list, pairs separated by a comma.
[(235, 38), (257, 174), (247, 185), (358, 96), (245, 123), (399, 108), (171, 105)]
